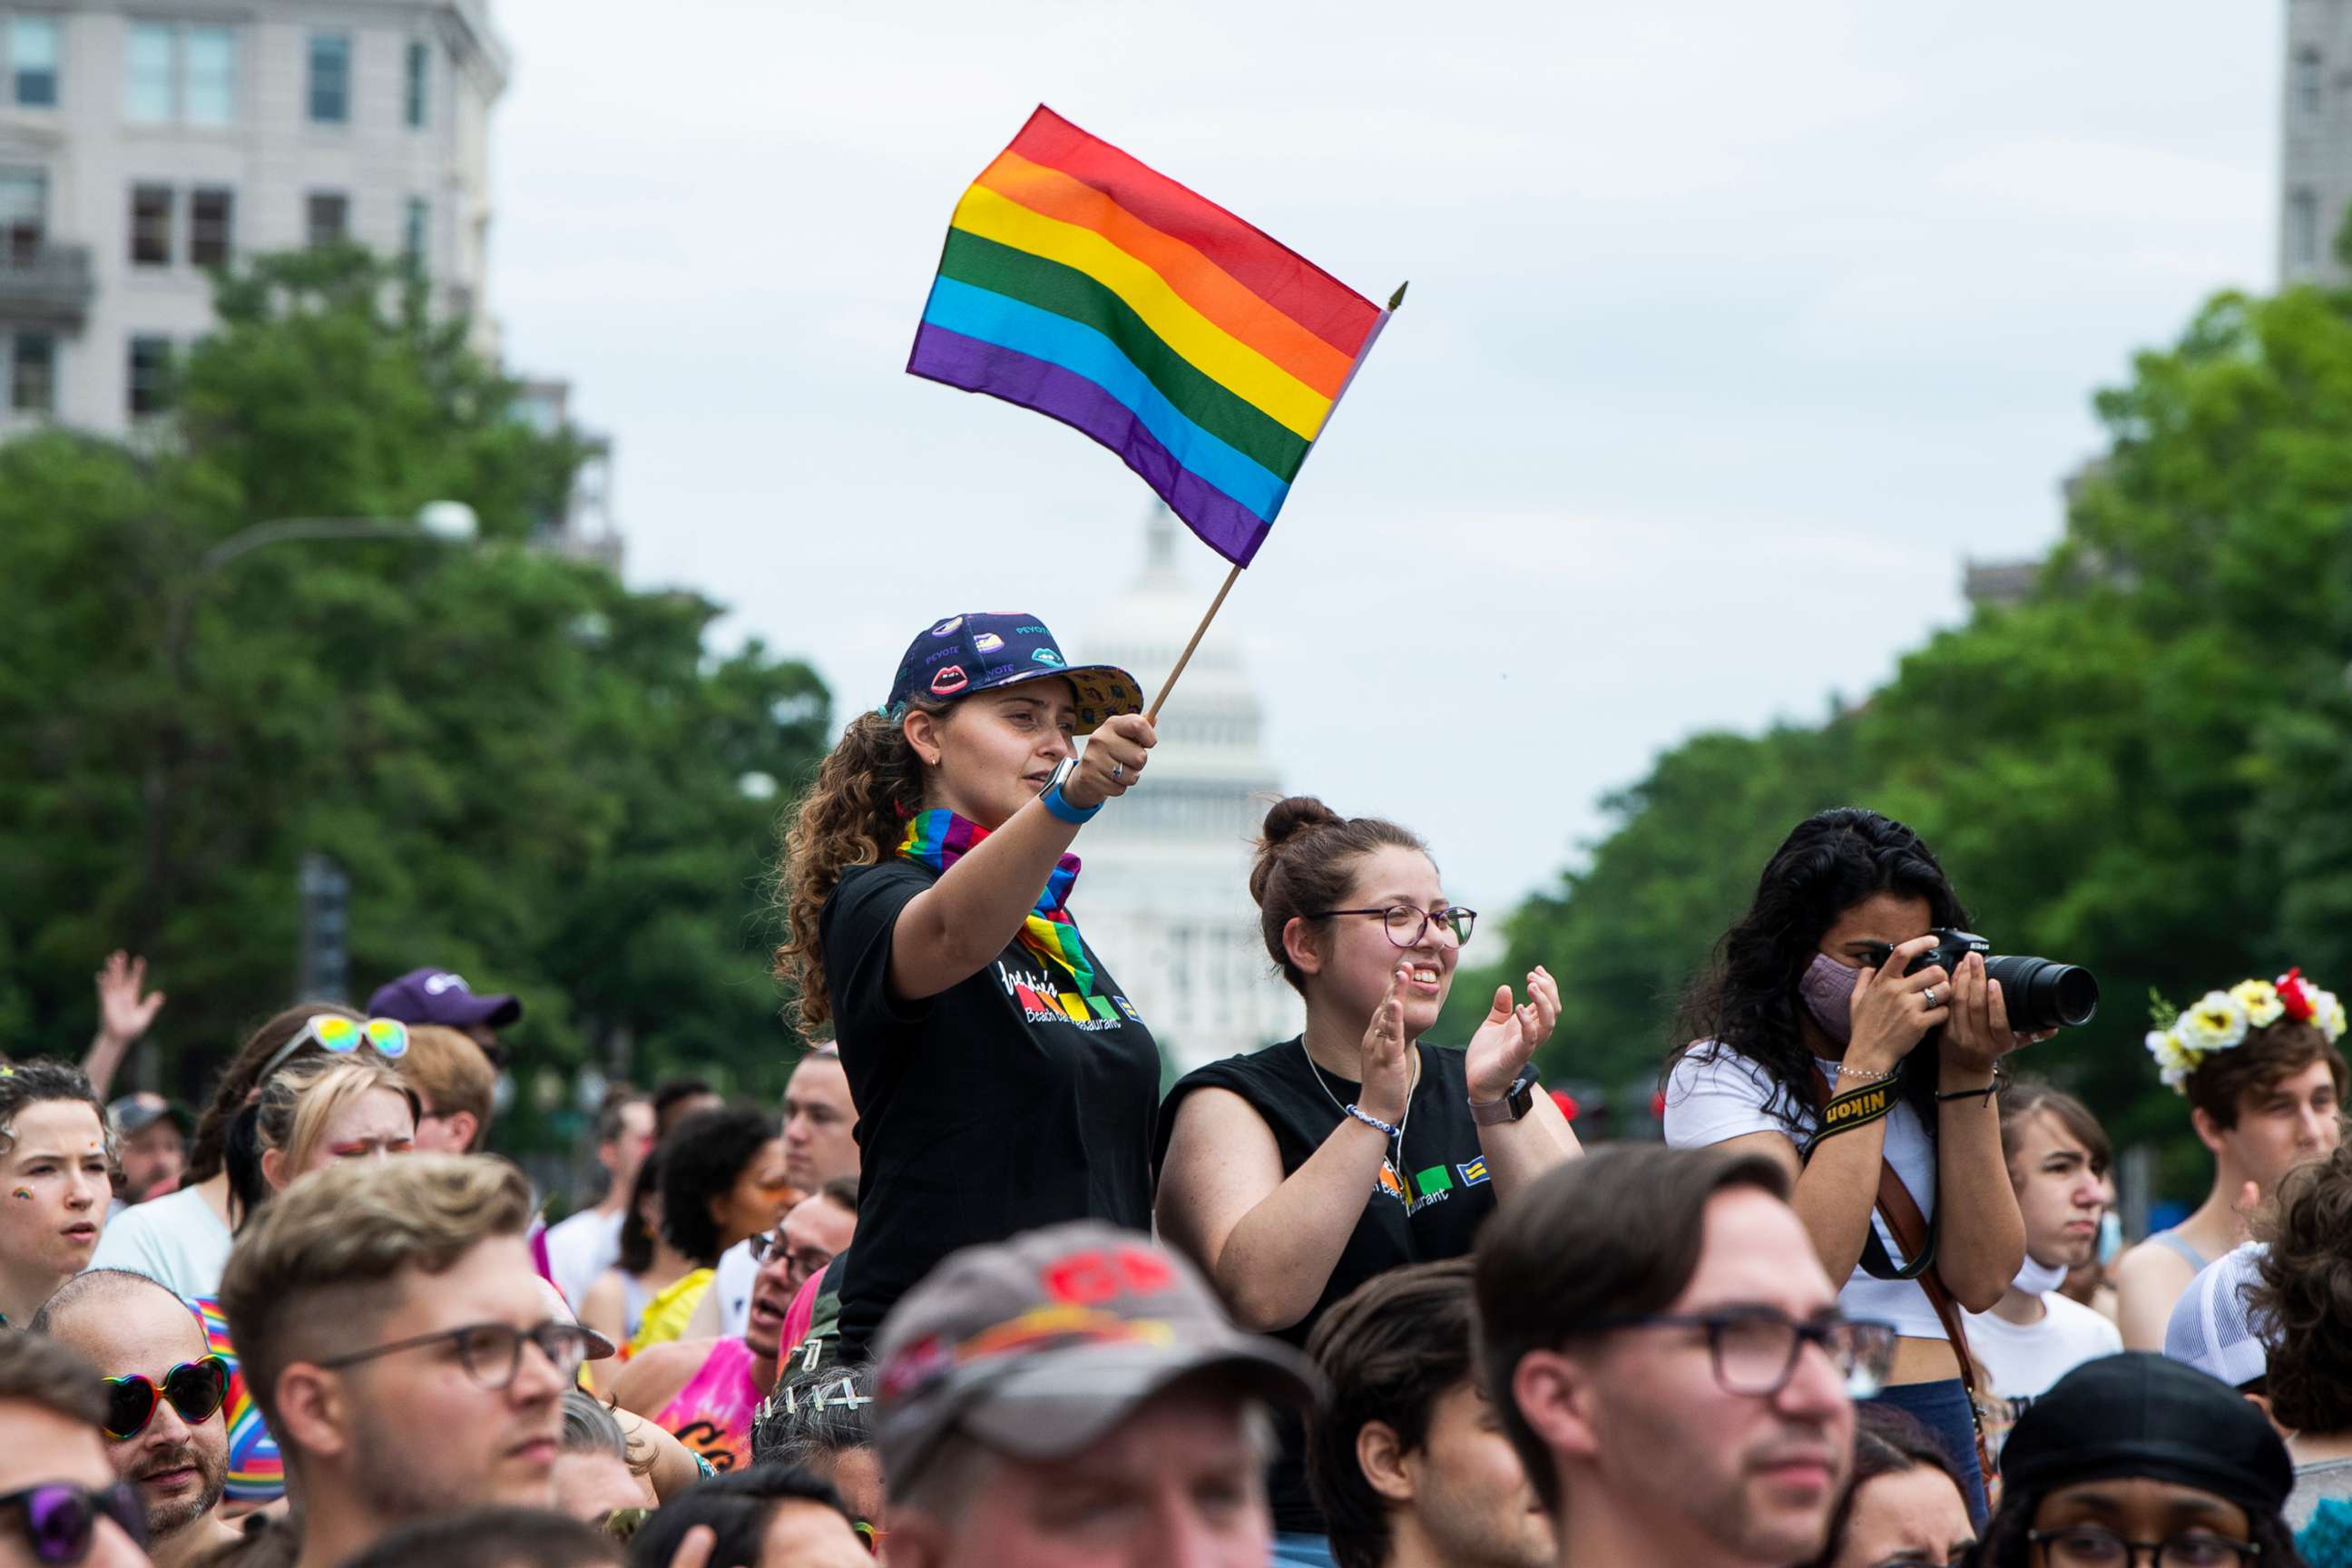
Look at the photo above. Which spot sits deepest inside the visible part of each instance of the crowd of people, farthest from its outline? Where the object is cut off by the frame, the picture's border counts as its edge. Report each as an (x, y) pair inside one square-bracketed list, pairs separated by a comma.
[(978, 1291)]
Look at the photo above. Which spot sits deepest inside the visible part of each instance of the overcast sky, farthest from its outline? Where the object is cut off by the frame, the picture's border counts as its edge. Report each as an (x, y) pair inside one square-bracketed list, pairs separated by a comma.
[(1734, 329)]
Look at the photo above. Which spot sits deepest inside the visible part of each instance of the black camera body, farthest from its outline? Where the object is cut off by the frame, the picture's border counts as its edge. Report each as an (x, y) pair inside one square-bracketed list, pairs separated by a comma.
[(2041, 994)]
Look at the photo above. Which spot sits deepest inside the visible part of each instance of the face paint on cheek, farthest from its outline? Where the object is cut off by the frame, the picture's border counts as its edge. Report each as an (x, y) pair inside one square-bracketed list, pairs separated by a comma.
[(23, 1192)]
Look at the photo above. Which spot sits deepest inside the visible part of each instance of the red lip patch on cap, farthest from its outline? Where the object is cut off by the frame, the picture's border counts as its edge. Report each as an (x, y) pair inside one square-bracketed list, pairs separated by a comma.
[(951, 679)]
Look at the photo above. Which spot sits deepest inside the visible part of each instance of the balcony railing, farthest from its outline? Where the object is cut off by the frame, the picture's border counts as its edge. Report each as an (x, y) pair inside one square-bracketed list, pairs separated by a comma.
[(44, 282)]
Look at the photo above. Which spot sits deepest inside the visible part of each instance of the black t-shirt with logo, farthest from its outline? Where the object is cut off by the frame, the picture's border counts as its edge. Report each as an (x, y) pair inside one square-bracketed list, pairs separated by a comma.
[(982, 1111), (1429, 1209)]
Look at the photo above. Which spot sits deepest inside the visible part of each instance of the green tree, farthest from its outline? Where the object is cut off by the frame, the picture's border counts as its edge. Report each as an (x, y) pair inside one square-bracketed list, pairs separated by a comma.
[(530, 773)]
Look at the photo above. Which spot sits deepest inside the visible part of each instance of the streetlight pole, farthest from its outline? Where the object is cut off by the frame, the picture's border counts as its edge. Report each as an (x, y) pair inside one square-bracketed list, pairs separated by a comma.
[(440, 521)]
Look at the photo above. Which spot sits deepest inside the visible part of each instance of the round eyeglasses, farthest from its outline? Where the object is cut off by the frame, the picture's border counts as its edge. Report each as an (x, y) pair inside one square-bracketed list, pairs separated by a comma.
[(1406, 925), (61, 1518)]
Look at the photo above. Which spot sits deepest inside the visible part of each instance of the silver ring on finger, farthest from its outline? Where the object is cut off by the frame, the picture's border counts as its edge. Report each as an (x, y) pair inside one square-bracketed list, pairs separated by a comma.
[(1930, 994), (1117, 770)]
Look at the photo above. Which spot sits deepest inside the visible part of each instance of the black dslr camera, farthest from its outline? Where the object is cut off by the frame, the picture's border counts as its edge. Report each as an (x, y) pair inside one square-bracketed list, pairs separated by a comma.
[(2042, 994)]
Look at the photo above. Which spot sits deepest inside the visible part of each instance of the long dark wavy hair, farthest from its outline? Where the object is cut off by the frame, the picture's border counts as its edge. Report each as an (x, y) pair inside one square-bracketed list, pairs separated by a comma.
[(1746, 1000)]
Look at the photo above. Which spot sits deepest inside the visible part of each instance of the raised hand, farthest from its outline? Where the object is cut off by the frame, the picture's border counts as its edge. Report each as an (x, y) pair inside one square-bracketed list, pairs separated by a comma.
[(1113, 760), (1979, 1035), (1387, 1071), (1892, 1011), (1509, 1036), (123, 1015)]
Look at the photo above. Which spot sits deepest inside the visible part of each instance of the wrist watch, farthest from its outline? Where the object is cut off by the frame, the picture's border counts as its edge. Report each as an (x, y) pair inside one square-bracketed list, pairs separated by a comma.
[(1060, 804), (1511, 1108)]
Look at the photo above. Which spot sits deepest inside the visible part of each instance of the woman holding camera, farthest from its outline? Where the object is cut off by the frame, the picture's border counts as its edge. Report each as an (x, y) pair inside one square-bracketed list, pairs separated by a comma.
[(1813, 1041)]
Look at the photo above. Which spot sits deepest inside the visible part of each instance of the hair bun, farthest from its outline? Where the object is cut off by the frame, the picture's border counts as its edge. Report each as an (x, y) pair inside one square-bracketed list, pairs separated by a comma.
[(1294, 814)]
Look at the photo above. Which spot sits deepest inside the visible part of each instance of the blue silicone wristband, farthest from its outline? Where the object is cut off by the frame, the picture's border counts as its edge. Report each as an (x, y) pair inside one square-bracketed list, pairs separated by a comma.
[(1374, 1123), (1059, 805)]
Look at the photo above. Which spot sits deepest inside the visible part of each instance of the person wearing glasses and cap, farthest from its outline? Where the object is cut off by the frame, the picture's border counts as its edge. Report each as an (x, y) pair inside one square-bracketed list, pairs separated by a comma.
[(165, 1431), (153, 1136), (60, 1504), (1001, 1078), (1293, 1174)]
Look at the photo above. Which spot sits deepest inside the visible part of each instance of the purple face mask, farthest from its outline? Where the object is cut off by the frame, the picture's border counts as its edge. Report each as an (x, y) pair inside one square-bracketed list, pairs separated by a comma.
[(1828, 990)]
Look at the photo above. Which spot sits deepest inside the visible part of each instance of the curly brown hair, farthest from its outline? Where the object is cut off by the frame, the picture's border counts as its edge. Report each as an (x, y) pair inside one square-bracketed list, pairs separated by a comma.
[(853, 815), (2301, 1303), (2266, 1058)]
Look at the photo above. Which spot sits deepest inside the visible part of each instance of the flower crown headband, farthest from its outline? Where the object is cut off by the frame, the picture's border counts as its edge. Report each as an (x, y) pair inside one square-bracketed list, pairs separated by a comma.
[(2220, 1021)]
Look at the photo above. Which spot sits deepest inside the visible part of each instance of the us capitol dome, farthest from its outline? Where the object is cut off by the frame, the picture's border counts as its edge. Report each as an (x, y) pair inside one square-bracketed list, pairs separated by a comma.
[(1164, 892)]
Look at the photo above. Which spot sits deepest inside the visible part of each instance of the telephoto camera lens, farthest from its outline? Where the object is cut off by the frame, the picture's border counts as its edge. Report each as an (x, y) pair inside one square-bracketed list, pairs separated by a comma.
[(2042, 994)]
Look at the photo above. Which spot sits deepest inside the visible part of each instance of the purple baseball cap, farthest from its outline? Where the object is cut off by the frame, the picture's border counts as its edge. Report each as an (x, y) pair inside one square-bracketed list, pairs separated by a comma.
[(437, 996), (1043, 1344), (977, 652)]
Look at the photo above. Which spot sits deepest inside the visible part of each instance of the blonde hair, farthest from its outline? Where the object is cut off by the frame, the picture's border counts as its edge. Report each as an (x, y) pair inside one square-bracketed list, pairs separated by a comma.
[(297, 1105), (310, 1276), (452, 1072), (853, 815)]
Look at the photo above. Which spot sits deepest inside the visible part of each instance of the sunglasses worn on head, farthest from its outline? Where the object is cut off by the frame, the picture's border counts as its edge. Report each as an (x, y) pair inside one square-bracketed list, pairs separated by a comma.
[(388, 1038), (196, 1388), (61, 1518)]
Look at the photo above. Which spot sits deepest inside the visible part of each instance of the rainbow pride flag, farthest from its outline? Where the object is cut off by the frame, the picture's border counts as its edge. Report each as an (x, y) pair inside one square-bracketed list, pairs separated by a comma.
[(1077, 282)]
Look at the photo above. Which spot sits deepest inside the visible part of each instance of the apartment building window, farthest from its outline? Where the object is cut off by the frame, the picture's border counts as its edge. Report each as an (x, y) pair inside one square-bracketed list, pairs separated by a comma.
[(150, 226), (331, 78), (209, 76), (326, 218), (415, 228), (212, 224), (2302, 231), (32, 374), (2310, 87), (150, 379), (413, 100), (24, 211), (30, 46), (175, 75)]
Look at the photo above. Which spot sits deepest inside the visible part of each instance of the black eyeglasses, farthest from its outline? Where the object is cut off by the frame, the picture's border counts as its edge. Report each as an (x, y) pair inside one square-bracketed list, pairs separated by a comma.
[(61, 1518), (1755, 1349), (1406, 924), (196, 1388), (492, 1352), (2094, 1546), (808, 1260)]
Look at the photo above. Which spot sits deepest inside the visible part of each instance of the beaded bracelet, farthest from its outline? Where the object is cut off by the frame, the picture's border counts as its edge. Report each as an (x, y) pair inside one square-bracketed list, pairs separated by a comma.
[(1369, 1120)]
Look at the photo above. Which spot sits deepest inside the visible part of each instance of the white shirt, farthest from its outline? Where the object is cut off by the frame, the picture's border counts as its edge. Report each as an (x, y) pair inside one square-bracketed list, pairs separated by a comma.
[(579, 1250), (1714, 1095), (175, 1240), (2026, 1359), (731, 1288)]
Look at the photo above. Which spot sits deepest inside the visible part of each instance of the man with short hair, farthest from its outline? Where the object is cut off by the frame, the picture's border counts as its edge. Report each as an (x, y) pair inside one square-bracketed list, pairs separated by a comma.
[(1075, 1398), (820, 1148), (1666, 1353), (707, 1392), (2058, 1156), (457, 1089), (1405, 1457), (579, 1249), (53, 1458), (438, 996), (176, 1452), (400, 1346), (151, 1138)]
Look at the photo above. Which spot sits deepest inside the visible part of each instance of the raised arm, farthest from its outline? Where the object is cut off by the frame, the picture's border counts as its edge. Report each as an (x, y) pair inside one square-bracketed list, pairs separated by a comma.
[(1518, 1151), (1270, 1242), (956, 927)]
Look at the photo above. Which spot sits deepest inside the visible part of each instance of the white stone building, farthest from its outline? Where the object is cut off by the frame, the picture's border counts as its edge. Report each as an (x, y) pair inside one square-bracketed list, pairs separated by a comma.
[(2315, 139), (144, 141), (1164, 892)]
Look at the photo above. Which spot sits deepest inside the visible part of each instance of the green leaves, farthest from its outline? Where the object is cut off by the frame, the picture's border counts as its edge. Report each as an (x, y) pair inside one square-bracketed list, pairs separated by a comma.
[(2146, 768), (531, 773)]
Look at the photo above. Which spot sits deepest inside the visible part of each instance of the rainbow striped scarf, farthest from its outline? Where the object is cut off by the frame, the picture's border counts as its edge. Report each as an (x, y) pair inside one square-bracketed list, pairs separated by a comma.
[(939, 838)]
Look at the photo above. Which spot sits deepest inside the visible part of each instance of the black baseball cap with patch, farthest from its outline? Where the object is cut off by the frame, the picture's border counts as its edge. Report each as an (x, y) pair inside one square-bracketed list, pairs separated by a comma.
[(980, 652)]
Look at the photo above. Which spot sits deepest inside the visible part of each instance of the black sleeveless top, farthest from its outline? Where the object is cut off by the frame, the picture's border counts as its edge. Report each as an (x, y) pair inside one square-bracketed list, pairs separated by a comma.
[(1429, 1209)]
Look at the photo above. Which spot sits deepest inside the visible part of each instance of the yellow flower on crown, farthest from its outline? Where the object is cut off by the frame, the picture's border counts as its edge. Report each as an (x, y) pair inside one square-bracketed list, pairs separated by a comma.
[(2216, 1023), (2259, 998), (2174, 1061), (2328, 1015)]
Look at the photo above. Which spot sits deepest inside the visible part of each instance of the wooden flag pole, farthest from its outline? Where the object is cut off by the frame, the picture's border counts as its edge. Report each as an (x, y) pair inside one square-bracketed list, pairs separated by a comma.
[(1151, 714)]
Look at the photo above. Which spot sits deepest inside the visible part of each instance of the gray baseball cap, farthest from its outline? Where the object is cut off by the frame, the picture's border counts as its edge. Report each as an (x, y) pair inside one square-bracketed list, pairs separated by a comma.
[(1040, 1345)]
